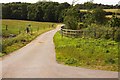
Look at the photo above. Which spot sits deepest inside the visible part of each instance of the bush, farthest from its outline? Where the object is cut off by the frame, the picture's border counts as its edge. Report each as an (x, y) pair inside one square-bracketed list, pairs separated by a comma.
[(117, 35), (71, 22), (99, 15), (72, 18)]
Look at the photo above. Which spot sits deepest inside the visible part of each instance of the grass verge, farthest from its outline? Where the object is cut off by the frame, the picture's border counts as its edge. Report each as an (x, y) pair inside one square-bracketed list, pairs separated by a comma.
[(10, 44), (90, 53)]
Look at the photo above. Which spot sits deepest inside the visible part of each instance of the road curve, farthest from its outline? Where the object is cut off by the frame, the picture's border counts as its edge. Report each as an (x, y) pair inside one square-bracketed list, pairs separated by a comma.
[(37, 60)]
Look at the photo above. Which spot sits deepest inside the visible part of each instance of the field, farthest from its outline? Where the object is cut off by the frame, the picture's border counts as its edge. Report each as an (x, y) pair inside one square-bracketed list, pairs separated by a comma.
[(112, 10), (18, 26), (110, 16), (15, 36), (106, 10), (89, 53)]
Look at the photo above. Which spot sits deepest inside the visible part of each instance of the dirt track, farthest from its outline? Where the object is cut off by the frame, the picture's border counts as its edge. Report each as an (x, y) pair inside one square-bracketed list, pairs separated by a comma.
[(37, 60)]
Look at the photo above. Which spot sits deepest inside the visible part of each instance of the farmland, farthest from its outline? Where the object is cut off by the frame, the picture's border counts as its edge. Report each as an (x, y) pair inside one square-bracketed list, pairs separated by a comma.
[(15, 36), (106, 10), (113, 11), (90, 53)]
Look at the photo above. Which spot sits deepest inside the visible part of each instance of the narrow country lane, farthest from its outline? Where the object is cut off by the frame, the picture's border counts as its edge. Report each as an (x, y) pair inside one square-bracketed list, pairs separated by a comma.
[(37, 60)]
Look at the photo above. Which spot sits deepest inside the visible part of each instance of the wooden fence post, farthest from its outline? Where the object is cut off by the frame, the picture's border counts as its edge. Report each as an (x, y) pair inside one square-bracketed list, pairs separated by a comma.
[(6, 27)]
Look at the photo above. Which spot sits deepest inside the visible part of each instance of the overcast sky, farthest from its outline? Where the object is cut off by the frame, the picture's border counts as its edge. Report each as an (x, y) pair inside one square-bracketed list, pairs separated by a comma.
[(110, 2)]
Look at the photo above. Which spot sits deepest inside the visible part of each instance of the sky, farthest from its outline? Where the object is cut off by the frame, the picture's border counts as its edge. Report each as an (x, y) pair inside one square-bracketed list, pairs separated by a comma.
[(109, 2)]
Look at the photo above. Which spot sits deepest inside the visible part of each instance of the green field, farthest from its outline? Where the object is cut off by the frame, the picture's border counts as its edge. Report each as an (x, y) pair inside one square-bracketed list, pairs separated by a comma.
[(17, 26), (87, 52), (21, 38)]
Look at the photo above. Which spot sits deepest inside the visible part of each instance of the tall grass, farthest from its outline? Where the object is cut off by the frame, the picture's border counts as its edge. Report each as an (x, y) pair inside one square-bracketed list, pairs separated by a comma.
[(87, 52)]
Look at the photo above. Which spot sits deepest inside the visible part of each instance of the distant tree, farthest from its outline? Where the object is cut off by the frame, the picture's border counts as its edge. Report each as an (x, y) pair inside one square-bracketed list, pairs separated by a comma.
[(6, 11), (24, 11), (31, 12), (50, 13), (98, 15), (39, 13), (16, 14), (89, 5), (60, 12)]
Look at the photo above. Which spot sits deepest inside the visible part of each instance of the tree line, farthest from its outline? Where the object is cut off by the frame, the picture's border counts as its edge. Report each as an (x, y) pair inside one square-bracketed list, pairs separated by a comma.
[(46, 11), (91, 5), (40, 11)]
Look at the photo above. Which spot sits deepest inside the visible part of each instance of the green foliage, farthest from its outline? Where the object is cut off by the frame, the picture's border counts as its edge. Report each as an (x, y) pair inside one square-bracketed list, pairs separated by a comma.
[(31, 12), (114, 22), (117, 35), (71, 19), (87, 52), (14, 10), (98, 15), (101, 32), (39, 14), (50, 13), (40, 11), (71, 22), (89, 5), (88, 19)]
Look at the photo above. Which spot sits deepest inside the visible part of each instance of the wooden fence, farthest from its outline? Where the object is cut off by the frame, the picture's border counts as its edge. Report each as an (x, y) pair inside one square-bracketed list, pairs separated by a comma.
[(71, 33), (93, 33)]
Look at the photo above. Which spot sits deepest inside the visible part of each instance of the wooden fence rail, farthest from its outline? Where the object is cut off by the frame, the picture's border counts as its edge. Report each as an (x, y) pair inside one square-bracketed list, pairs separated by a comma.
[(73, 33), (85, 33)]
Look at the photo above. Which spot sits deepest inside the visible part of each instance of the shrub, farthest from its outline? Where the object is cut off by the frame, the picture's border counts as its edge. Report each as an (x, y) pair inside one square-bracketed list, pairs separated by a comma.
[(117, 35)]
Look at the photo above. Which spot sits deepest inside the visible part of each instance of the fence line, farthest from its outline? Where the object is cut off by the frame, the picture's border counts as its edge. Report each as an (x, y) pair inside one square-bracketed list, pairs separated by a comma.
[(93, 33), (72, 33)]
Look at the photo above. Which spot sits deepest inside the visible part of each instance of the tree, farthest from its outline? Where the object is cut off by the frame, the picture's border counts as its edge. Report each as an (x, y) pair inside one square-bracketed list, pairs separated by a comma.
[(117, 35), (71, 22), (50, 13), (98, 15), (39, 14), (88, 19), (31, 12), (6, 11), (89, 5), (24, 11), (114, 22), (72, 18), (60, 11), (16, 14)]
